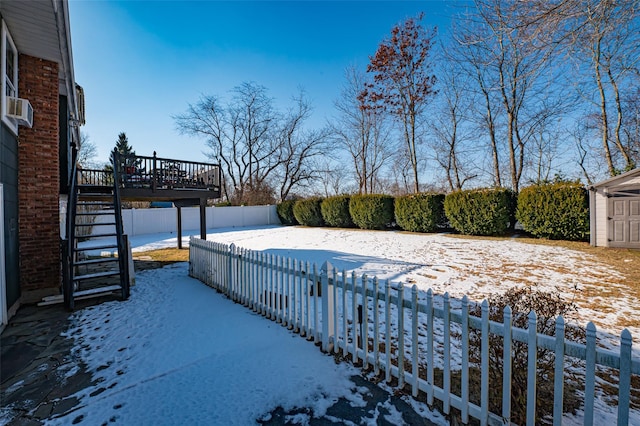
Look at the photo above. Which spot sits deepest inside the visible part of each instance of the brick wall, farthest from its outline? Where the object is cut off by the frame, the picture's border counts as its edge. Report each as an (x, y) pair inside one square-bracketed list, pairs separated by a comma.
[(39, 180)]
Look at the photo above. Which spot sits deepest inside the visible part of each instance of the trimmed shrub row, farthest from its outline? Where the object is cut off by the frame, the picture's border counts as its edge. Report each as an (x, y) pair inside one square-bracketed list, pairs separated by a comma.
[(420, 212), (372, 211), (335, 211), (555, 211), (285, 212), (307, 212), (479, 211)]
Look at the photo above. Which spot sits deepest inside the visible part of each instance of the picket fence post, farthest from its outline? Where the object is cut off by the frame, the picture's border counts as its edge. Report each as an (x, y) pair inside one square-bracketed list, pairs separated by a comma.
[(464, 386), (624, 385), (558, 385), (229, 286), (507, 363), (532, 366), (327, 307)]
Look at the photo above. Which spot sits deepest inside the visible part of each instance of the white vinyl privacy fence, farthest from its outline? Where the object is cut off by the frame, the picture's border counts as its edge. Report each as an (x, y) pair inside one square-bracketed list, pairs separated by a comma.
[(158, 220), (410, 336)]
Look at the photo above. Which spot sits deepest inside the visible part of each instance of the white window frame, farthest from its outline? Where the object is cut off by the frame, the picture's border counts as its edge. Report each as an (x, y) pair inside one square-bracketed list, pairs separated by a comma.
[(6, 38)]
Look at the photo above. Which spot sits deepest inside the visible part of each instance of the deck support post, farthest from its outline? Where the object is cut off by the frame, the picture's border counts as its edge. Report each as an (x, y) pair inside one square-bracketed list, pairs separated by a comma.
[(179, 227), (203, 218)]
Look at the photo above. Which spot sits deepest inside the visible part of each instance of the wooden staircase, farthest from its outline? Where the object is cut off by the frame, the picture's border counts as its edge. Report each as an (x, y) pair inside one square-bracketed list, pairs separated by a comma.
[(85, 276)]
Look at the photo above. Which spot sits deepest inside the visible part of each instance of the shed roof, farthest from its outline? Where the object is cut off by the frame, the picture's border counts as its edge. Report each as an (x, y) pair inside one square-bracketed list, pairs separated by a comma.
[(618, 179)]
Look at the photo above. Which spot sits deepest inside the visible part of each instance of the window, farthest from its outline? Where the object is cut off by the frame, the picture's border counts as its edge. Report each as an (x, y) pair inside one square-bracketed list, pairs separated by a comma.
[(10, 75)]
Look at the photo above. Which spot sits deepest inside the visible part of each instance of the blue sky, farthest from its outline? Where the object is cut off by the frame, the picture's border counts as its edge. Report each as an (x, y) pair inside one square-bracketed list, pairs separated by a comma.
[(140, 62)]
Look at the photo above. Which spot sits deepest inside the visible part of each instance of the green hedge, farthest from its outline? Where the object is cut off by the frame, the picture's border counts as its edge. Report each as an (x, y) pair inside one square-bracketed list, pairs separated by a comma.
[(420, 212), (335, 211), (371, 211), (285, 212), (480, 211), (556, 211), (308, 213)]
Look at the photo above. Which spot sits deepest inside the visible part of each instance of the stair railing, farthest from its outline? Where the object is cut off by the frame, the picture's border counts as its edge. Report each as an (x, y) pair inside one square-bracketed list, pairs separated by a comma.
[(69, 241), (121, 238)]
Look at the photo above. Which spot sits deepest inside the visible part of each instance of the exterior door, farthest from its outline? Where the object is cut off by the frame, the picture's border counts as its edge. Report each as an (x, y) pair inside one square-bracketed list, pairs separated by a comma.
[(624, 214)]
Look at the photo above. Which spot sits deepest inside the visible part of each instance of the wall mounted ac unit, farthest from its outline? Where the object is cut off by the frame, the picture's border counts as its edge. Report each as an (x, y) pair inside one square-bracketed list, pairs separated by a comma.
[(20, 110)]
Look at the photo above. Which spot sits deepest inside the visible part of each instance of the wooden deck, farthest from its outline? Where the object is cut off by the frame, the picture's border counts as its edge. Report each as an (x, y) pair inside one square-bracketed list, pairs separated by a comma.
[(158, 179)]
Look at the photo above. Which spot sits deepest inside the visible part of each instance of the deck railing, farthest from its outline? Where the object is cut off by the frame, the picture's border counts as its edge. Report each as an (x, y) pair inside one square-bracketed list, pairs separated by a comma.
[(140, 172), (408, 338)]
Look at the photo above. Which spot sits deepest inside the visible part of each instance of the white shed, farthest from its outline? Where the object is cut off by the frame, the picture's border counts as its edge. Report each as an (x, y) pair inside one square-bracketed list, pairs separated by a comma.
[(615, 211)]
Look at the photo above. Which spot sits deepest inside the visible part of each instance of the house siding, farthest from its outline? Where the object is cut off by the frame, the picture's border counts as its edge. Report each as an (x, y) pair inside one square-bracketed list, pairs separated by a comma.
[(39, 181), (9, 179)]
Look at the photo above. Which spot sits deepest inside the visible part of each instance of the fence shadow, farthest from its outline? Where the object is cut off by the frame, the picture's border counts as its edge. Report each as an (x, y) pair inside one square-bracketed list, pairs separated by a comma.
[(371, 265)]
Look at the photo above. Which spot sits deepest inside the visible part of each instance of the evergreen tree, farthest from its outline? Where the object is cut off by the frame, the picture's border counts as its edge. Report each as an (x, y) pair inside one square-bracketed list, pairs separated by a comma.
[(126, 151), (122, 145)]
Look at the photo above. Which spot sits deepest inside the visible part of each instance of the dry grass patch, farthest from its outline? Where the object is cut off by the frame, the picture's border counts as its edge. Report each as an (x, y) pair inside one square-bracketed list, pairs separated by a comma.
[(597, 296), (168, 255), (626, 261)]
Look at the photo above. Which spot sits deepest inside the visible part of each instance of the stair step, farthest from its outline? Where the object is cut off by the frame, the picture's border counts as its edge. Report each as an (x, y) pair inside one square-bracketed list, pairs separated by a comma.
[(96, 275), (108, 246), (95, 224), (80, 295), (94, 203), (87, 195), (97, 290), (95, 261), (88, 185), (95, 190), (103, 235), (96, 213)]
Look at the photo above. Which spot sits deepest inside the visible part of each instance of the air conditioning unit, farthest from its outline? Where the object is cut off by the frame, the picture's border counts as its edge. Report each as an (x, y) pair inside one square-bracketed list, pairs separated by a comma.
[(20, 110)]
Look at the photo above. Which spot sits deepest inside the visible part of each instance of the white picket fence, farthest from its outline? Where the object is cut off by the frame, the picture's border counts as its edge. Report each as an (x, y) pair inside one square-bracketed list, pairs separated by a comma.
[(342, 311)]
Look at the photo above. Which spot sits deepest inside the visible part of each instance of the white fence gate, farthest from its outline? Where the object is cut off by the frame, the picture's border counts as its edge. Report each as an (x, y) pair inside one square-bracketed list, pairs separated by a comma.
[(384, 327)]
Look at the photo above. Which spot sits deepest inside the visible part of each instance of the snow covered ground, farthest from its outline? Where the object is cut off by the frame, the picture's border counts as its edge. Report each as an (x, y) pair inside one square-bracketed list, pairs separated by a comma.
[(459, 266), (177, 352), (445, 264)]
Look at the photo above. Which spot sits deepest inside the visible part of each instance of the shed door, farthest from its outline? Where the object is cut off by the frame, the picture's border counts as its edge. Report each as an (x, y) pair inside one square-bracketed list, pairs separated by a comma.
[(624, 214)]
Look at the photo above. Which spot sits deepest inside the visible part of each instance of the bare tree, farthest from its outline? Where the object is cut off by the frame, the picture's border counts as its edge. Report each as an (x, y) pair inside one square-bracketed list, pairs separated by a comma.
[(88, 151), (450, 127), (333, 177), (472, 56), (239, 134), (363, 132), (606, 44), (300, 149), (264, 153), (399, 181), (583, 150), (631, 126), (403, 82), (509, 48)]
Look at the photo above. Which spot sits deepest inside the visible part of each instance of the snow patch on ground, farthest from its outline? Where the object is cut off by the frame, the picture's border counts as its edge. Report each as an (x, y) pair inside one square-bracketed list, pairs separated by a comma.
[(177, 333), (177, 352), (458, 266)]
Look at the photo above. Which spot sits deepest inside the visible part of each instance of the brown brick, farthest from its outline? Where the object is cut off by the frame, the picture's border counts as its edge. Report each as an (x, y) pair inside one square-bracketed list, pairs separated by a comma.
[(38, 178)]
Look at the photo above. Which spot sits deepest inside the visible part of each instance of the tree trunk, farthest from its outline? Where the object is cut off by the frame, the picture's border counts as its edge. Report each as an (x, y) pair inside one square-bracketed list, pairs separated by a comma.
[(628, 162), (603, 111)]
